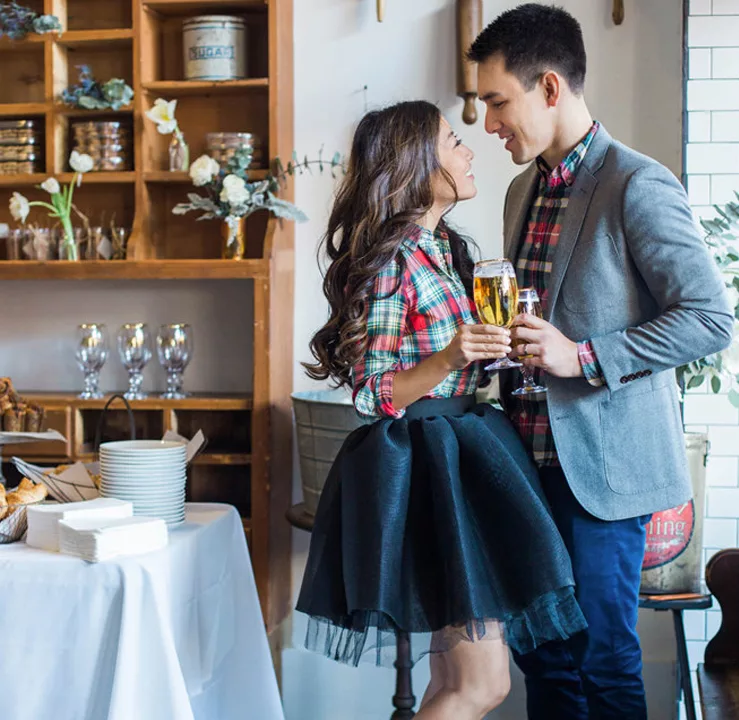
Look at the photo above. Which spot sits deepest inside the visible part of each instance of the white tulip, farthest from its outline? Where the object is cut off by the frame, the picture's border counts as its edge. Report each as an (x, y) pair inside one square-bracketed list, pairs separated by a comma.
[(234, 190), (19, 207), (80, 162), (203, 170), (730, 356), (163, 115), (51, 186)]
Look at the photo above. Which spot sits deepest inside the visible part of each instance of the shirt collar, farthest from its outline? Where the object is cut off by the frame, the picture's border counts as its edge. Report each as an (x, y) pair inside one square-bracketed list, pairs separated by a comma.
[(418, 235), (566, 171)]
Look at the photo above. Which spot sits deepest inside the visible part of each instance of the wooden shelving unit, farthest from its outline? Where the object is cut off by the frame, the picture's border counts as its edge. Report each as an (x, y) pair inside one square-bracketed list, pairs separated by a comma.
[(141, 42)]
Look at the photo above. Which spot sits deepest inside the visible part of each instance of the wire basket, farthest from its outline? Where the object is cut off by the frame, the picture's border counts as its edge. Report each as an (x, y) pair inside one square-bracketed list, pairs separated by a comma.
[(15, 522)]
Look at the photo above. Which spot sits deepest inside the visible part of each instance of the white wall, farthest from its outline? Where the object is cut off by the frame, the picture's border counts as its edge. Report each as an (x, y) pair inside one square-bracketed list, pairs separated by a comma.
[(713, 176), (634, 88)]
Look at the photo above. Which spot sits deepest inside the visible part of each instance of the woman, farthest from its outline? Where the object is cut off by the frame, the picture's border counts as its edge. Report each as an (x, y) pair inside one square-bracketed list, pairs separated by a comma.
[(431, 520)]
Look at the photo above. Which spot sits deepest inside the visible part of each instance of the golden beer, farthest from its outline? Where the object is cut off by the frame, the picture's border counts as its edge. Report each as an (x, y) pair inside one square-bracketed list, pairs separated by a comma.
[(496, 299), (528, 302)]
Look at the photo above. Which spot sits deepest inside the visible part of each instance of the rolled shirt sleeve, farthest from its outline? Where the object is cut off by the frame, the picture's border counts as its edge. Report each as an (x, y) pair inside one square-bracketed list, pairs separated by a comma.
[(589, 363), (374, 374)]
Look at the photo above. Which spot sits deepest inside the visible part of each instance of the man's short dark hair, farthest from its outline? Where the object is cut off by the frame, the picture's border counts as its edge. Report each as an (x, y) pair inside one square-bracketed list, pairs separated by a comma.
[(532, 39)]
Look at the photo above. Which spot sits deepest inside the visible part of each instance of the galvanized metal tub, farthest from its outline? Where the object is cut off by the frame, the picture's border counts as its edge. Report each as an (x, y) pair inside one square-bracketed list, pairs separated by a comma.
[(674, 555), (323, 419)]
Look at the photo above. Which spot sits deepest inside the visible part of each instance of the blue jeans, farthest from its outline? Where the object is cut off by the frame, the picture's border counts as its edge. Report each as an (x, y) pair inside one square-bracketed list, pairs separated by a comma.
[(595, 675)]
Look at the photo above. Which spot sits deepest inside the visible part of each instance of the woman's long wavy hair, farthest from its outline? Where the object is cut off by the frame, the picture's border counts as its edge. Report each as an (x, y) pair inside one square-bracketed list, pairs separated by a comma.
[(387, 187)]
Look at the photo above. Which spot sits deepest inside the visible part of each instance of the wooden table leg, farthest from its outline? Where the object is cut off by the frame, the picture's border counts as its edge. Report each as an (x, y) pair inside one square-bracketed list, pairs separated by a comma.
[(403, 700), (683, 665)]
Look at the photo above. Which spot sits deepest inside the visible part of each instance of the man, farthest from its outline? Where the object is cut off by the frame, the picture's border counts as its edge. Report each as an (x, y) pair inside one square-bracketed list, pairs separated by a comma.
[(629, 292)]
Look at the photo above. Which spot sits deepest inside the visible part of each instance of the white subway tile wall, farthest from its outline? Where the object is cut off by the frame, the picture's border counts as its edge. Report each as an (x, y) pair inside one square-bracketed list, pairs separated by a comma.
[(712, 165)]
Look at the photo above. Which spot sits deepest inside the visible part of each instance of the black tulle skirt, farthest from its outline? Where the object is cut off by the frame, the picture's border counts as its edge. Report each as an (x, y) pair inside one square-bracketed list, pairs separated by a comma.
[(436, 520)]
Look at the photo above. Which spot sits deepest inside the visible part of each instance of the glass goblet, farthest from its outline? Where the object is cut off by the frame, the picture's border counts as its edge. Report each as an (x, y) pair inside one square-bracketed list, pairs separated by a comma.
[(496, 298), (528, 302), (134, 349), (91, 354), (175, 348)]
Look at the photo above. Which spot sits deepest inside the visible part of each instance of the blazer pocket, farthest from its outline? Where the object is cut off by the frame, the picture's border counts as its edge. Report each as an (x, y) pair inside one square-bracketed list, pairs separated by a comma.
[(594, 279), (637, 431)]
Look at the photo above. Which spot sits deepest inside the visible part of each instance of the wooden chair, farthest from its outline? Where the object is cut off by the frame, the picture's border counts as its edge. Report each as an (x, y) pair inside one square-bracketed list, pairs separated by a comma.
[(718, 675)]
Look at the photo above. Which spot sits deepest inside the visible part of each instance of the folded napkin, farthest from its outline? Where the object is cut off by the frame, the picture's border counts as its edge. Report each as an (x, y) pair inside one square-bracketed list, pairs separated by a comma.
[(43, 520), (97, 540)]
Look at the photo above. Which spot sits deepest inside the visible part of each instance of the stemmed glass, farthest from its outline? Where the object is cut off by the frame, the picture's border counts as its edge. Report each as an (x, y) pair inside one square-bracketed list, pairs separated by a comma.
[(91, 353), (528, 302), (496, 298), (134, 348), (174, 347)]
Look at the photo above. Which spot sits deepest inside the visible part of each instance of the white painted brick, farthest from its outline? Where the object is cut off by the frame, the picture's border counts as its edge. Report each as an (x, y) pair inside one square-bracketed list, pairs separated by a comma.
[(724, 188), (699, 189), (713, 31), (723, 503), (719, 532), (699, 126), (696, 650), (699, 63), (700, 7), (722, 471), (710, 158), (695, 624), (724, 440), (703, 211), (724, 126), (710, 409), (713, 94), (724, 62), (713, 623), (726, 7)]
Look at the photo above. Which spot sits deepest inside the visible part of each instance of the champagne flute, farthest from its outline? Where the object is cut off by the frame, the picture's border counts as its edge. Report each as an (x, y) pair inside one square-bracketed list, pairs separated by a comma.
[(91, 353), (496, 298), (528, 302), (174, 347), (134, 348)]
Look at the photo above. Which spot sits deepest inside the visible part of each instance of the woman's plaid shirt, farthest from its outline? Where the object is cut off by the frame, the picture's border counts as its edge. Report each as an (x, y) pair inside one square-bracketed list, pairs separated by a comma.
[(421, 318)]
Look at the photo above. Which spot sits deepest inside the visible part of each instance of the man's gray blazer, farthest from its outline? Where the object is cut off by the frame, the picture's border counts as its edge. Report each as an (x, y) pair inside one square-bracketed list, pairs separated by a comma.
[(631, 273)]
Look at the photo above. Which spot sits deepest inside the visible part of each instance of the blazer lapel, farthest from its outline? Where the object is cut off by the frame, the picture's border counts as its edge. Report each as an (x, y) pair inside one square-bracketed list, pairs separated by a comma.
[(518, 213), (577, 206)]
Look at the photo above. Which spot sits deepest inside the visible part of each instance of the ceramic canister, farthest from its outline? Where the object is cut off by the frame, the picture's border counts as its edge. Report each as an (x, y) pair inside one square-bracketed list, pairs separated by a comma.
[(214, 47)]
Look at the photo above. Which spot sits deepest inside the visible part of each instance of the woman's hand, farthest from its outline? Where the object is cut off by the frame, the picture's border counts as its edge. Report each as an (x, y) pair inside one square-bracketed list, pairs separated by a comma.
[(476, 342)]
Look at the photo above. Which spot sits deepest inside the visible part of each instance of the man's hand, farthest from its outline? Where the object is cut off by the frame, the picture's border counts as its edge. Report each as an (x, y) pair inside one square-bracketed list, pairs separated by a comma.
[(550, 349)]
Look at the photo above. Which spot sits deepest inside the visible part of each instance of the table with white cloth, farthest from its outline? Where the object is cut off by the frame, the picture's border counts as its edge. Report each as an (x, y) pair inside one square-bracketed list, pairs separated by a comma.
[(175, 634)]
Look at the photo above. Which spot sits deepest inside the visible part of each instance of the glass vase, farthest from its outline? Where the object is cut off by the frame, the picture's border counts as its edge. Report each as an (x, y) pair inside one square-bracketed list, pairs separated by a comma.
[(68, 249), (179, 154), (233, 234)]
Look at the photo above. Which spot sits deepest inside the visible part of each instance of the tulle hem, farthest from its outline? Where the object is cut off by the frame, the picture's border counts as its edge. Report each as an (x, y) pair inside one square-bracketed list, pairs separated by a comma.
[(371, 635)]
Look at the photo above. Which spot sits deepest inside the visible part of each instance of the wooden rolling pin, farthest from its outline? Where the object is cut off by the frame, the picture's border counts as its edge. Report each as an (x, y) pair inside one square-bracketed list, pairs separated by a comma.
[(618, 11), (469, 25), (380, 10)]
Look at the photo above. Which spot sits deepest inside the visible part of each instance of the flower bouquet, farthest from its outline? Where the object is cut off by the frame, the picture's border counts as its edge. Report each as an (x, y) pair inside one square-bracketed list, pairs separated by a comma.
[(60, 205)]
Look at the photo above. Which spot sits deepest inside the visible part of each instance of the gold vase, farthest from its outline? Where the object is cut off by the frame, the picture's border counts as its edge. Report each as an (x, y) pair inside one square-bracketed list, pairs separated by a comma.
[(233, 234)]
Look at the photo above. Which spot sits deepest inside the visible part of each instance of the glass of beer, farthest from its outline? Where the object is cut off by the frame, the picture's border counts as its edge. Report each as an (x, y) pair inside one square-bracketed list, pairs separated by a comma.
[(496, 298), (528, 302)]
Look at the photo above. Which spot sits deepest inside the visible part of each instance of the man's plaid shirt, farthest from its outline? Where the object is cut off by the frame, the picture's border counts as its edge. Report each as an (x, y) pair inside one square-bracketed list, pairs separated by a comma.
[(529, 413), (407, 326)]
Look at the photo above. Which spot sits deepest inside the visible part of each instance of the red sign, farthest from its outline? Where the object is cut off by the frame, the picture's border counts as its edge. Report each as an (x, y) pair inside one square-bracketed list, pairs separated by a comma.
[(668, 535)]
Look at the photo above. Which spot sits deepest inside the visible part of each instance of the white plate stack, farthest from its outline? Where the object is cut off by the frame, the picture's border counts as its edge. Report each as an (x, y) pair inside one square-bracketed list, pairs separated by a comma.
[(149, 473)]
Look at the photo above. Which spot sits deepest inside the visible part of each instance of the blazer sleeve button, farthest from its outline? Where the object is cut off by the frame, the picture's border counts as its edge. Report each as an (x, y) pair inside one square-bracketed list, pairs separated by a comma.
[(624, 380)]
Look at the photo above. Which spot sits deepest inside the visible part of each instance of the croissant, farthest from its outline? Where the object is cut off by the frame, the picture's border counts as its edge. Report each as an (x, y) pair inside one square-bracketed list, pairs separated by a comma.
[(3, 502)]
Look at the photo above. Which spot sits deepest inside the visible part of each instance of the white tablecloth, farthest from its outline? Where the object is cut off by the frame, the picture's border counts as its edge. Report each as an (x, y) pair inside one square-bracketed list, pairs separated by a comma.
[(172, 635)]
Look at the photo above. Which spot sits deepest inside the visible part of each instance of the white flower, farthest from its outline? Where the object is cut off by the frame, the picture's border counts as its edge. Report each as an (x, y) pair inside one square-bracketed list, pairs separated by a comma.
[(19, 207), (203, 170), (51, 186), (234, 190), (163, 115), (80, 162), (730, 356)]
